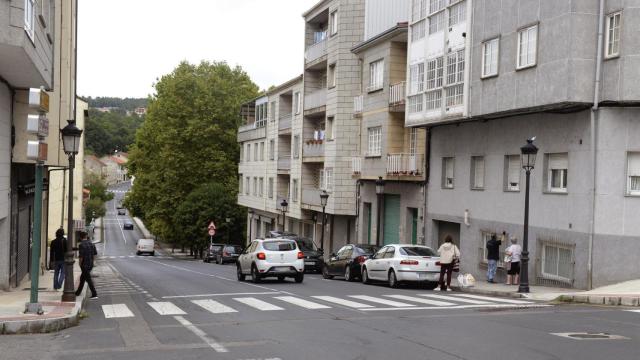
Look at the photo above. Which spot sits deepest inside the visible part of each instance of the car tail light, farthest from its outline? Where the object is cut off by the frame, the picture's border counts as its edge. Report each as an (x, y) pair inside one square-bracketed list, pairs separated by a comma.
[(361, 259), (438, 263), (409, 262), (224, 253), (300, 255), (261, 256)]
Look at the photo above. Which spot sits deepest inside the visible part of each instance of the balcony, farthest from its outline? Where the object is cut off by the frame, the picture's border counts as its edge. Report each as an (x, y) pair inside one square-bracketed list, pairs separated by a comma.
[(284, 124), (311, 197), (356, 166), (316, 51), (358, 105), (396, 97), (284, 164), (313, 151), (315, 102), (251, 132), (405, 164)]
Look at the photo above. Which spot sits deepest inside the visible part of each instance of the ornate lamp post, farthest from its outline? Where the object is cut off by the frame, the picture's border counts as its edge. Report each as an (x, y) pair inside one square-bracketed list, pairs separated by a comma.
[(251, 212), (71, 135), (324, 196), (284, 207), (379, 193), (529, 152)]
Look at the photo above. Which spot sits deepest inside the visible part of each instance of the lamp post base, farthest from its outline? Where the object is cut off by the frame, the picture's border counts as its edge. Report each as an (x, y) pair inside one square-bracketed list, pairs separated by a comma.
[(523, 288), (33, 308)]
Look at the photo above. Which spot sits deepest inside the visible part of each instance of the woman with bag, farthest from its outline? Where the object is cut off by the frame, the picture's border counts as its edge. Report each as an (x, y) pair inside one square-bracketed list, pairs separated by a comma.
[(449, 256), (513, 255)]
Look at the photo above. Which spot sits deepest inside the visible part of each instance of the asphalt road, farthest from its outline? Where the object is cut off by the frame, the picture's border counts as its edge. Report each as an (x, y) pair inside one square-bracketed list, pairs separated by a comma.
[(163, 308)]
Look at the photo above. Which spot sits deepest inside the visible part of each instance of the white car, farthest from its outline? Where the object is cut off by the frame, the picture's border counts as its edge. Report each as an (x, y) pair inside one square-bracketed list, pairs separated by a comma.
[(279, 258), (146, 246), (403, 263)]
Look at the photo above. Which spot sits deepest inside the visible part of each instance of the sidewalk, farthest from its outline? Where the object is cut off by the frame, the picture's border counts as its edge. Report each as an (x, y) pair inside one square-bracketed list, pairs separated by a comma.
[(57, 315)]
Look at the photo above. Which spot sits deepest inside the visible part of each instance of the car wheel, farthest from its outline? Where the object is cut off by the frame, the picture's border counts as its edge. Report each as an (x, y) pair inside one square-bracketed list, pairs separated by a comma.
[(325, 273), (217, 262), (239, 272), (138, 253), (205, 260), (365, 276), (393, 281), (280, 278), (347, 274), (299, 278), (153, 253), (255, 275), (430, 285)]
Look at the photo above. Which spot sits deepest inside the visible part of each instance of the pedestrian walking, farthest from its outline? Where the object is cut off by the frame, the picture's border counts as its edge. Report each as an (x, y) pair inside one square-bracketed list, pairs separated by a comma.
[(449, 255), (57, 249), (493, 255), (87, 254), (514, 252)]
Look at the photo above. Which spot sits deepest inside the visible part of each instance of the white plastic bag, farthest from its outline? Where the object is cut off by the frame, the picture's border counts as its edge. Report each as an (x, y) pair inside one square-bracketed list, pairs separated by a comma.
[(466, 280)]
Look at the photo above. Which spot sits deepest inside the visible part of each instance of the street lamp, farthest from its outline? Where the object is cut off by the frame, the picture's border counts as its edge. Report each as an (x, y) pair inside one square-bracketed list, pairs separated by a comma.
[(251, 212), (379, 193), (284, 207), (529, 152), (71, 135), (324, 196)]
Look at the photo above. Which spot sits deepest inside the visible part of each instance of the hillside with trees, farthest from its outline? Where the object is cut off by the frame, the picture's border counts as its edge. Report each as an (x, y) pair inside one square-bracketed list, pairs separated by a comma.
[(129, 104), (109, 131)]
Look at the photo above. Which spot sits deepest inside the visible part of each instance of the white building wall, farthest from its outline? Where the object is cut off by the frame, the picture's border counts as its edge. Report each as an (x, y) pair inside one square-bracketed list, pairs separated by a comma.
[(5, 183), (381, 15)]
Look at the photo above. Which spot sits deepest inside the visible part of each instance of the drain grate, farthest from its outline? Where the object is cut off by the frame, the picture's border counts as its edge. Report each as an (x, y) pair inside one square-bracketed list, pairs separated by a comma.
[(590, 336)]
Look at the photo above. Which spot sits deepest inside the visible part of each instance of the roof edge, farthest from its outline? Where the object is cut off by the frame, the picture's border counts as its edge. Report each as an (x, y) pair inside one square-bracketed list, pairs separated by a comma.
[(389, 33)]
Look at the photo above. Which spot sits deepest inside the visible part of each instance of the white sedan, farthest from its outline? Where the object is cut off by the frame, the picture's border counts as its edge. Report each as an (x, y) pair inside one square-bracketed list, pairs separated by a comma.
[(279, 258), (403, 263)]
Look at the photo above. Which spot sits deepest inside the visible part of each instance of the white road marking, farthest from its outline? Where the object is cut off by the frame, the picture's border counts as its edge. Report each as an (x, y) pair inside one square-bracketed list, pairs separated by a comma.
[(213, 306), (489, 306), (226, 294), (116, 311), (344, 302), (381, 301), (166, 308), (422, 301), (508, 301), (453, 298), (301, 302), (258, 304), (201, 334), (638, 311)]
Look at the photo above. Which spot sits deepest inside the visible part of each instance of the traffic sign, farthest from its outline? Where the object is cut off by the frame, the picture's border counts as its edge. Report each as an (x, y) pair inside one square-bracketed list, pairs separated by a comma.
[(212, 228), (212, 232)]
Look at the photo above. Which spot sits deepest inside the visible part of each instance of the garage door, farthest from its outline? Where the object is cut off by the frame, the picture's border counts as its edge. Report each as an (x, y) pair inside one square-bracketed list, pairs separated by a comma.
[(391, 225)]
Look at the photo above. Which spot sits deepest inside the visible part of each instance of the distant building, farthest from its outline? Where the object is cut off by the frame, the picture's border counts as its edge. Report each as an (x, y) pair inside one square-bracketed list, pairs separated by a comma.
[(93, 165), (115, 170), (140, 111)]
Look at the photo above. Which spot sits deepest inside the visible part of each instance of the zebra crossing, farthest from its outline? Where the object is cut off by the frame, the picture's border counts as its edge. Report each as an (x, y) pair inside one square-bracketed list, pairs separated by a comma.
[(241, 304), (108, 257)]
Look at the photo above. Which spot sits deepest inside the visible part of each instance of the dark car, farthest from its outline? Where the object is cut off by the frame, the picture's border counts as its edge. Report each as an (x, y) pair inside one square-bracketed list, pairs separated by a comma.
[(122, 212), (281, 234), (212, 254), (228, 254), (347, 262), (127, 225), (313, 256)]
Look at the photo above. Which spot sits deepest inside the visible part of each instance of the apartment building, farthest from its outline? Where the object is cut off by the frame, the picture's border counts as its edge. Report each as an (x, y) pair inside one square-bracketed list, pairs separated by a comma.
[(389, 169), (491, 75)]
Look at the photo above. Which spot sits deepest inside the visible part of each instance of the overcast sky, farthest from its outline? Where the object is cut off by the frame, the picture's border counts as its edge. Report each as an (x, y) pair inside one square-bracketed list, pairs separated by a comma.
[(124, 45)]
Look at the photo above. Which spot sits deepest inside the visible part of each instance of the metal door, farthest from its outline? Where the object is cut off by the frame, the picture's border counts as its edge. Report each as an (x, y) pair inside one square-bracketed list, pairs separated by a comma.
[(391, 224)]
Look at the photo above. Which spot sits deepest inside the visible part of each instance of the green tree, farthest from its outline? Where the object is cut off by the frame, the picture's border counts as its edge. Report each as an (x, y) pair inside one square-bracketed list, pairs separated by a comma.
[(98, 196)]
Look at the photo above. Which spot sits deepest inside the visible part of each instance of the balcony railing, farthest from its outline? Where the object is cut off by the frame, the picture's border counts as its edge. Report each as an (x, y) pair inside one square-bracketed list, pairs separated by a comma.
[(357, 104), (316, 51), (251, 131), (313, 148), (405, 164), (356, 165), (247, 127), (396, 93), (315, 99), (284, 122), (284, 162), (311, 196)]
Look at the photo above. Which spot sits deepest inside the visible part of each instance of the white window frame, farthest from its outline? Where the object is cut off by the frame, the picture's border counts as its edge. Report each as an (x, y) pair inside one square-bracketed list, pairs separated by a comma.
[(433, 100), (256, 152), (241, 185), (457, 12), (326, 179), (272, 111), (374, 143), (255, 186), (413, 141), (448, 177), (416, 103), (416, 78), (261, 187), (486, 236), (270, 190), (333, 20), (294, 190), (562, 170), (527, 37), (297, 102), (477, 172), (418, 30), (247, 185), (419, 10), (30, 18), (543, 261), (490, 56), (633, 171), (272, 149), (434, 73), (512, 167), (612, 35), (262, 151), (437, 22), (436, 6), (248, 152), (376, 75)]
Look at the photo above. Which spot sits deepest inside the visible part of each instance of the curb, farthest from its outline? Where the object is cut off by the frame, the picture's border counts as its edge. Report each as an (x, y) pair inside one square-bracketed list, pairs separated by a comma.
[(41, 326), (472, 290), (609, 300)]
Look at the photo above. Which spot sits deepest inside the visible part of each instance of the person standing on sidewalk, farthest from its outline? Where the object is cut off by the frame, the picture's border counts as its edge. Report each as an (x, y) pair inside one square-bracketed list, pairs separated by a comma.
[(87, 253), (449, 254), (57, 249), (515, 252), (493, 255)]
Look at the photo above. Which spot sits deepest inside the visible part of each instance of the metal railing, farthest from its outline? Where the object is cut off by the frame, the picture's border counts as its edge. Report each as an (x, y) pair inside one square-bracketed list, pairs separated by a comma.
[(405, 164), (284, 122), (356, 165), (396, 93), (284, 162), (311, 196), (247, 127), (358, 104), (313, 148), (316, 51), (315, 99)]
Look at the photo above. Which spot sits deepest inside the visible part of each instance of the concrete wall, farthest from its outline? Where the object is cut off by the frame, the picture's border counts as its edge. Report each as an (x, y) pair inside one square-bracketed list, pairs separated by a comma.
[(382, 15), (5, 183)]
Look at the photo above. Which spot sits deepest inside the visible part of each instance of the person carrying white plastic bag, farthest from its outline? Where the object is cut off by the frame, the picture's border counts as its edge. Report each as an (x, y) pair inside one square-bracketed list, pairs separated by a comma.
[(466, 280)]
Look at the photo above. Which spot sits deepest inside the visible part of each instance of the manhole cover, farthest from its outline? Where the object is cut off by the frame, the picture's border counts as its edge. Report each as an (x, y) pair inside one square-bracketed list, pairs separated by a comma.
[(590, 336)]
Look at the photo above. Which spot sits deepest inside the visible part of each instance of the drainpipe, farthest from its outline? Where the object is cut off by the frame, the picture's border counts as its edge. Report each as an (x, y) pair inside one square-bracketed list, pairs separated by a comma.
[(593, 129), (425, 184)]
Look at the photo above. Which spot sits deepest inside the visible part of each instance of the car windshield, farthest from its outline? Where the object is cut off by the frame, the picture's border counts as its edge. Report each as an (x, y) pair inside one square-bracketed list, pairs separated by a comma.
[(233, 249), (305, 244), (216, 247), (279, 245), (417, 251), (366, 249)]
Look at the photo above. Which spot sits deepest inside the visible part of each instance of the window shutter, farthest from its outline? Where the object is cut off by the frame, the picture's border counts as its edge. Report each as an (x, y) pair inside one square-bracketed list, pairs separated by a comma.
[(558, 161), (633, 164), (478, 172), (513, 175), (449, 167)]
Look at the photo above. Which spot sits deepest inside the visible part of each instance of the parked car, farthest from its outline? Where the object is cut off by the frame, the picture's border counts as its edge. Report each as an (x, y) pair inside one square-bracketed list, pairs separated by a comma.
[(403, 263), (213, 252), (277, 257), (347, 262), (229, 253), (127, 225), (122, 212), (146, 246), (313, 256), (280, 234)]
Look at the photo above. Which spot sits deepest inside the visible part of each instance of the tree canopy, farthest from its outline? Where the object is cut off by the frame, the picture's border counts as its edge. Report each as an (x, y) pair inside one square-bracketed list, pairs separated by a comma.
[(109, 131)]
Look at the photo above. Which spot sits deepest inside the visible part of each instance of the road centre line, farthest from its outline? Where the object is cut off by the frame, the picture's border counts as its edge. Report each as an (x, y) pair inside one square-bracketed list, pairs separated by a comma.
[(227, 294), (201, 334), (118, 219)]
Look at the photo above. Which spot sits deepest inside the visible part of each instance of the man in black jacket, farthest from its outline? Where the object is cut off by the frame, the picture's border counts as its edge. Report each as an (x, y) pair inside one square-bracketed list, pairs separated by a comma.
[(493, 255), (57, 249), (87, 253)]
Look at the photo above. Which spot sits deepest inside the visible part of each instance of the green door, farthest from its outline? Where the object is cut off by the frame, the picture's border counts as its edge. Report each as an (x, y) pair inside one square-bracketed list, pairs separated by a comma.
[(391, 224), (414, 226)]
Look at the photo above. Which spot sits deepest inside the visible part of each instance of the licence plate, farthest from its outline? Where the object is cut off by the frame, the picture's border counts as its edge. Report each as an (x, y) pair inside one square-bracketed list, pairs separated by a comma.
[(281, 268), (309, 262)]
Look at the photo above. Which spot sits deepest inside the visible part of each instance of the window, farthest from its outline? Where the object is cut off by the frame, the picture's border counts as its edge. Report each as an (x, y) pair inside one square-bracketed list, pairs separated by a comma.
[(435, 69), (416, 77), (29, 17), (261, 187), (248, 153), (486, 236), (477, 172), (375, 141), (419, 10), (329, 128), (436, 5), (247, 186), (270, 190), (413, 141), (255, 152), (512, 165), (333, 20), (261, 114), (296, 146), (437, 22), (612, 39), (262, 151), (633, 173), (418, 30), (376, 75), (490, 51), (326, 179), (558, 166), (434, 100), (455, 78), (240, 183), (557, 262), (255, 186), (457, 13), (297, 102), (447, 172), (294, 191), (241, 153), (415, 103), (331, 75), (455, 95), (272, 149), (272, 110), (527, 46)]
